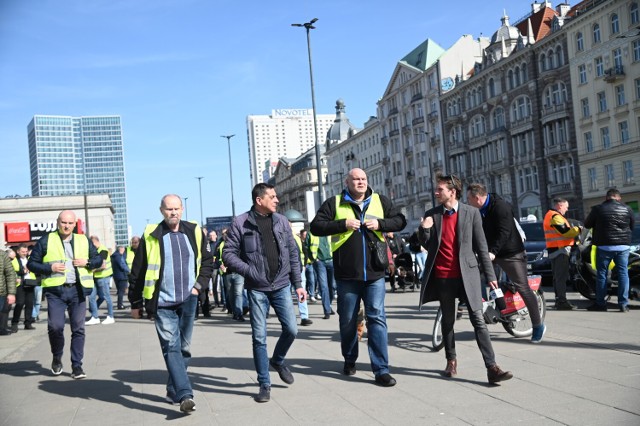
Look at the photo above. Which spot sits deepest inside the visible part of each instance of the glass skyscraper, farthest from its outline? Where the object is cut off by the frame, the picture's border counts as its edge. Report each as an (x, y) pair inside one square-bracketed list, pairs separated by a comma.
[(74, 155)]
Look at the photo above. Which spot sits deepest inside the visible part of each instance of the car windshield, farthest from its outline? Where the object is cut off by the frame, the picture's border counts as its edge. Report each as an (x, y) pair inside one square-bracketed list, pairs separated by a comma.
[(533, 231)]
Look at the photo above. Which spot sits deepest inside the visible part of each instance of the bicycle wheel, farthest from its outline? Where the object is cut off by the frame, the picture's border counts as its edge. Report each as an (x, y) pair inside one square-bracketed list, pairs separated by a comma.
[(519, 324), (436, 335)]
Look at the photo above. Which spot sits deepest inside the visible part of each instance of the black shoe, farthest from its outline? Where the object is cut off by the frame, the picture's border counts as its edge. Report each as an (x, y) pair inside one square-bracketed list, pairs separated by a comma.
[(78, 373), (283, 372), (5, 332), (624, 308), (326, 316), (349, 368), (245, 311), (495, 374), (120, 307), (187, 405), (597, 308), (264, 395), (385, 380), (56, 366), (239, 318), (29, 327), (306, 321), (564, 306), (14, 328), (333, 312)]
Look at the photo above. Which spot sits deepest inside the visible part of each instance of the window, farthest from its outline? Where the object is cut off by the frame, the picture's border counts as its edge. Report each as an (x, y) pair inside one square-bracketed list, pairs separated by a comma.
[(579, 42), (636, 50), (582, 74), (604, 138), (609, 176), (633, 13), (615, 24), (555, 94), (543, 62), (627, 172), (602, 102), (596, 34), (623, 132), (588, 142), (620, 95), (521, 108), (593, 180), (617, 58), (498, 118), (599, 66), (492, 88)]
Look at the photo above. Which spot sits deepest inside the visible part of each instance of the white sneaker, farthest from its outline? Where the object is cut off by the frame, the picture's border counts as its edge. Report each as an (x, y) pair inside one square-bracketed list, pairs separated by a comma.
[(108, 320), (92, 321)]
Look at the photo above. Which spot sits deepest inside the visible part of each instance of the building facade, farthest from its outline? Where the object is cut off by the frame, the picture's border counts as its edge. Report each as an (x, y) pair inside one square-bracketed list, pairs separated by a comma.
[(80, 155)]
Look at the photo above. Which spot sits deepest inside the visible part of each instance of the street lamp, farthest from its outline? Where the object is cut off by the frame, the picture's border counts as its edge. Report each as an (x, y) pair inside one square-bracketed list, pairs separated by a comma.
[(433, 195), (200, 189), (309, 26), (186, 210), (233, 204)]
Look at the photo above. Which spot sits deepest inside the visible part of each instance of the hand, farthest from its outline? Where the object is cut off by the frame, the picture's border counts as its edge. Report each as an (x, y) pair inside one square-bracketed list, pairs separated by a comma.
[(195, 291), (427, 222), (372, 224), (80, 262), (11, 299), (58, 267), (493, 284), (492, 256), (302, 294), (352, 224), (136, 313)]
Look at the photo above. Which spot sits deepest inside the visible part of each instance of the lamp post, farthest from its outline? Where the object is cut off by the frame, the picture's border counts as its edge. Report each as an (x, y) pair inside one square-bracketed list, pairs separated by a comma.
[(233, 204), (309, 26), (200, 189), (433, 195), (186, 210)]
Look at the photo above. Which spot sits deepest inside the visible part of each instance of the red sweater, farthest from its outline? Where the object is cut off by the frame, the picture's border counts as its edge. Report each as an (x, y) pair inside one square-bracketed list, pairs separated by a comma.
[(447, 264)]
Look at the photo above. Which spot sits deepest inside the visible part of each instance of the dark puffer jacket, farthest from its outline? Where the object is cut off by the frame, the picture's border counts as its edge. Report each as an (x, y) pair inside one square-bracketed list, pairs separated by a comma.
[(611, 222)]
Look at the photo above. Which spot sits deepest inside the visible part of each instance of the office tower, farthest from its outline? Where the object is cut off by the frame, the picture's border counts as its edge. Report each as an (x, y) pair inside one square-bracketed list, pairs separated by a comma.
[(77, 155)]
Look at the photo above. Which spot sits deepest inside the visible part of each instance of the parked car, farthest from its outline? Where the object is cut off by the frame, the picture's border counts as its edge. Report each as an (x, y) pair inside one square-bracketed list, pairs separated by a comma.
[(538, 262)]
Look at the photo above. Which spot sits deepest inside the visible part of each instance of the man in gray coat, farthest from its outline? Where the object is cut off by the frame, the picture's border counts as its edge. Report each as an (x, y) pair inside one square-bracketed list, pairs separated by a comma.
[(453, 236)]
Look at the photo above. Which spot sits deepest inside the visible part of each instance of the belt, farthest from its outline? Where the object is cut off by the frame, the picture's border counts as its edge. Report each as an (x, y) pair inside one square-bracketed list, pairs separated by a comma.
[(69, 285)]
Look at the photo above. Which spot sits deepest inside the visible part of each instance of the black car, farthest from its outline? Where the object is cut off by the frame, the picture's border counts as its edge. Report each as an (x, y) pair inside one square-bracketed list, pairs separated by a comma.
[(538, 262)]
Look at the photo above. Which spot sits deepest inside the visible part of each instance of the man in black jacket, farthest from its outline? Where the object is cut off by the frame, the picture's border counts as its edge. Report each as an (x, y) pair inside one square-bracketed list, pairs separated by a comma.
[(506, 248), (611, 223), (355, 219)]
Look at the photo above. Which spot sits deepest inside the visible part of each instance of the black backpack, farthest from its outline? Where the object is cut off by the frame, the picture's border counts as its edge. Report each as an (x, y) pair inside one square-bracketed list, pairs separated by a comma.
[(414, 243)]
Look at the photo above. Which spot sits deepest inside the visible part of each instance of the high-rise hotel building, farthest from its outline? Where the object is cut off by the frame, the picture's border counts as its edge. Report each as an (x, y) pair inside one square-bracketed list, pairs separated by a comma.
[(77, 155), (285, 133)]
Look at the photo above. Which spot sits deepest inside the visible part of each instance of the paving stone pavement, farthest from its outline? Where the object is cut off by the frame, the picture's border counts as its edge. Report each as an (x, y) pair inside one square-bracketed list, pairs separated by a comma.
[(585, 372)]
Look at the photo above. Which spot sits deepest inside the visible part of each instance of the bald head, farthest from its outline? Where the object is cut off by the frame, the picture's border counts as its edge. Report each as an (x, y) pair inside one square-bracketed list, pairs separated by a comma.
[(357, 183), (66, 223)]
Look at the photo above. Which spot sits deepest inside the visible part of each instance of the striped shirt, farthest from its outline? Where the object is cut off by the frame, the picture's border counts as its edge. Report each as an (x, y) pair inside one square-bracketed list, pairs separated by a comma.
[(178, 276)]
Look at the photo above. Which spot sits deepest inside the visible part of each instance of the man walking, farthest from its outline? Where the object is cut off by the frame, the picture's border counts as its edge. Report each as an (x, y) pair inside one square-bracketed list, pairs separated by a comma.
[(120, 274), (506, 248), (356, 219), (25, 286), (101, 292), (65, 260), (452, 234), (611, 224), (172, 265), (560, 237), (260, 247), (7, 289), (321, 258)]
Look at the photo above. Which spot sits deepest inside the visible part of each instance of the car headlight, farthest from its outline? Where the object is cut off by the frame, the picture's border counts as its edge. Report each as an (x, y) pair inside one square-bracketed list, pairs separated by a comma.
[(543, 254)]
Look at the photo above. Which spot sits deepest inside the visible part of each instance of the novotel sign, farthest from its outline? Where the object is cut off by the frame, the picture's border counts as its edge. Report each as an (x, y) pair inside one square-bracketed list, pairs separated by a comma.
[(292, 113)]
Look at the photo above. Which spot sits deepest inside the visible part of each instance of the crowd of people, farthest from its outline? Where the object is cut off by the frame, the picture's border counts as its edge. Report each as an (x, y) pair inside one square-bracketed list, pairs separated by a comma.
[(178, 272)]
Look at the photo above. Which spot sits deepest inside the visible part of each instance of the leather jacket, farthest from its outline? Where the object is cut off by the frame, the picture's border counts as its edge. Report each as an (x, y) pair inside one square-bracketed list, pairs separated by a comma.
[(611, 223)]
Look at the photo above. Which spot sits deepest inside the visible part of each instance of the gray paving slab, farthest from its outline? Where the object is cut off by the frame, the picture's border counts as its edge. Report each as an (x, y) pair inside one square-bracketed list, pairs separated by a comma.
[(586, 372)]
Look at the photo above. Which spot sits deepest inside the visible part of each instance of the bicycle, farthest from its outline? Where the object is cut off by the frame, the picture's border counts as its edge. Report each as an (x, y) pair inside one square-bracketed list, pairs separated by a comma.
[(514, 318)]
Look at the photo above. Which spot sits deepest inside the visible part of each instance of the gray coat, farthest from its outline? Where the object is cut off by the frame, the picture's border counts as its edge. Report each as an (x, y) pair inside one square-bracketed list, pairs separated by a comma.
[(473, 249)]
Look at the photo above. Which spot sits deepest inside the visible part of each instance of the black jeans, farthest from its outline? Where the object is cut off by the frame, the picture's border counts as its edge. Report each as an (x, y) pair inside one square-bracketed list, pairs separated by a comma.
[(24, 300), (515, 266), (448, 291)]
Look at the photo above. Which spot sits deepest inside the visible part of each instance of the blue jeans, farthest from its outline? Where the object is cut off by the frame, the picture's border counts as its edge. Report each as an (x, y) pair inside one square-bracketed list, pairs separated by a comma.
[(621, 260), (37, 301), (101, 288), (326, 282), (175, 326), (59, 300), (310, 276), (350, 293), (421, 259), (236, 285), (259, 303)]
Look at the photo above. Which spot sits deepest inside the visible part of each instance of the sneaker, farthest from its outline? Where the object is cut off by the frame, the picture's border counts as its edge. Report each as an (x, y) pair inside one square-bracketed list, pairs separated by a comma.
[(349, 368), (385, 380), (306, 321), (14, 328), (564, 306), (187, 405), (538, 333), (495, 374), (313, 299), (264, 395), (283, 372), (624, 308), (92, 321), (108, 320), (78, 373), (56, 366), (594, 307)]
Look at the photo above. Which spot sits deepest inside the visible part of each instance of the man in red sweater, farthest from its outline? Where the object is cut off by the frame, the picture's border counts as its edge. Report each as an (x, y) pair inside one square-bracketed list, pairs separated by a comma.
[(453, 236)]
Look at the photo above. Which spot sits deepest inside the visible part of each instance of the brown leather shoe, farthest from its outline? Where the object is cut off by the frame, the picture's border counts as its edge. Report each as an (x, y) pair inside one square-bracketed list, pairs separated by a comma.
[(495, 374), (452, 368)]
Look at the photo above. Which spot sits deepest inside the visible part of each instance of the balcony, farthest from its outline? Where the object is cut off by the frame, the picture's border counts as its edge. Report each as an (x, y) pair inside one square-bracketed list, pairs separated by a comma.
[(406, 129), (392, 111), (560, 188), (614, 74), (435, 140), (416, 97), (408, 151), (553, 108), (394, 132), (417, 120), (411, 174), (387, 182), (559, 148), (437, 165), (384, 140), (386, 160), (433, 115)]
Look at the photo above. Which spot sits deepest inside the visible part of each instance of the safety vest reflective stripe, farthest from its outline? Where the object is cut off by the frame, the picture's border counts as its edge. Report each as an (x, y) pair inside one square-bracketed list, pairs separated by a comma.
[(107, 271), (56, 254), (154, 260), (555, 239), (345, 211)]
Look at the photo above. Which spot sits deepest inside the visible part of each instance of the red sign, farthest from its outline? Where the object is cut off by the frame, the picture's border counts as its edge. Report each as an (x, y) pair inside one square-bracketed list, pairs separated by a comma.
[(17, 232)]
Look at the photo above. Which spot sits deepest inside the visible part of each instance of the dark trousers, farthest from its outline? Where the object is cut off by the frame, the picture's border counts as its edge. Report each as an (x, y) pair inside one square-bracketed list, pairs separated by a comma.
[(24, 300), (214, 287), (59, 299), (448, 291), (121, 286), (515, 266), (203, 303)]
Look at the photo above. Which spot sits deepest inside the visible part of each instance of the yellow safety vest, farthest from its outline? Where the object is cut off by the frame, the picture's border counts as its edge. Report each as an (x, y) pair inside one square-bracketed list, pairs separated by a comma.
[(16, 267), (154, 260), (107, 271), (345, 211), (130, 256), (56, 254)]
